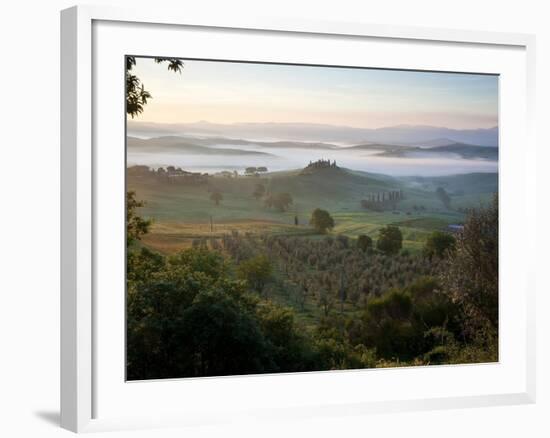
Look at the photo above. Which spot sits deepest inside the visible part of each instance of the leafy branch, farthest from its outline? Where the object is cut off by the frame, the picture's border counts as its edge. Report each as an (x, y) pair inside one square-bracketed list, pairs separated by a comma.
[(136, 94)]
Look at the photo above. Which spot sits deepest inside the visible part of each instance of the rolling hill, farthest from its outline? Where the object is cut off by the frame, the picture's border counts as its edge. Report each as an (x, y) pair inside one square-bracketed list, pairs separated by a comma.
[(184, 211), (463, 150), (184, 145), (471, 183)]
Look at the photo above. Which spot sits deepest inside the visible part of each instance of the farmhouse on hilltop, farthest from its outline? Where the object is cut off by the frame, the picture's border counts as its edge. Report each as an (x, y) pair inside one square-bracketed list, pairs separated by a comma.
[(322, 164)]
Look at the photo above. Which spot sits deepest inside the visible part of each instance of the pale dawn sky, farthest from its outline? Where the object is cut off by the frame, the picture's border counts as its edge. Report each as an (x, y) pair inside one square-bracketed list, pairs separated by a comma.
[(226, 92)]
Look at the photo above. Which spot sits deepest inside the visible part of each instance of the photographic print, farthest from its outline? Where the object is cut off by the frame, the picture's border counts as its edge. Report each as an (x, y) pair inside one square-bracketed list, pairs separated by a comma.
[(293, 218)]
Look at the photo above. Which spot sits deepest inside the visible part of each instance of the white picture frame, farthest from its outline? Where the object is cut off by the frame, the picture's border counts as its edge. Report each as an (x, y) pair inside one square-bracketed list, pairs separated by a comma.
[(84, 371)]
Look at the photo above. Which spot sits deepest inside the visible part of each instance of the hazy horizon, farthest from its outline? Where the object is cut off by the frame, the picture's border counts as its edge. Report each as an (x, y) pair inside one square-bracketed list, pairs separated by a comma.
[(221, 92), (208, 122), (307, 132)]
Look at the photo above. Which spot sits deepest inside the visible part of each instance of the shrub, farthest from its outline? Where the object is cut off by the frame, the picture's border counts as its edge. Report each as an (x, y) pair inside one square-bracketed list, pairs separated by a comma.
[(364, 242), (390, 240), (256, 272), (439, 244)]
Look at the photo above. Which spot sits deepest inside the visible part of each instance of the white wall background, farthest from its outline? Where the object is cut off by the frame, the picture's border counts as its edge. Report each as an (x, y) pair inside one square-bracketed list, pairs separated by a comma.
[(29, 215)]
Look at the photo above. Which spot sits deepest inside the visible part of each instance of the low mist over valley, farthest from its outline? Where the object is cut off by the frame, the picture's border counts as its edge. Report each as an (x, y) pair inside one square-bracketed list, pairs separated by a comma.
[(214, 153)]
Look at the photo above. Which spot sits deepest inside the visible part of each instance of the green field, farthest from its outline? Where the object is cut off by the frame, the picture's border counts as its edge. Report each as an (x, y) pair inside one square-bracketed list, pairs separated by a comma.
[(182, 212)]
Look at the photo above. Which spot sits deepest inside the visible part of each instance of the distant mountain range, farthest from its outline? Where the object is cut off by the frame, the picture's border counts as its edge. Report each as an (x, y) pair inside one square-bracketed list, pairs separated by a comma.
[(413, 135), (434, 143)]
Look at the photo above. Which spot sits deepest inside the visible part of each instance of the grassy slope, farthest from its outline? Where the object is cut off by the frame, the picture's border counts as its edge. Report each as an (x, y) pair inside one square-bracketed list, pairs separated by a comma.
[(190, 146), (181, 213)]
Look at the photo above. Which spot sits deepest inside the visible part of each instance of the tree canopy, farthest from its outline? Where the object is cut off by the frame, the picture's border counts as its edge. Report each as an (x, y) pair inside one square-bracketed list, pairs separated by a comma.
[(280, 201), (364, 242), (390, 240), (321, 220), (216, 197), (439, 244), (259, 191), (255, 271), (136, 226), (470, 276)]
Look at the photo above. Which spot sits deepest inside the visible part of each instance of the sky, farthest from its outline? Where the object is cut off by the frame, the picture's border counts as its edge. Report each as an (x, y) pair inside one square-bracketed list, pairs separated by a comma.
[(229, 92)]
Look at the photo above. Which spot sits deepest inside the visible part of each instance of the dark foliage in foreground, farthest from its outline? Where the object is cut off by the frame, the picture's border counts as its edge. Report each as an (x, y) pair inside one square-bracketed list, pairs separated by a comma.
[(188, 318), (207, 311)]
